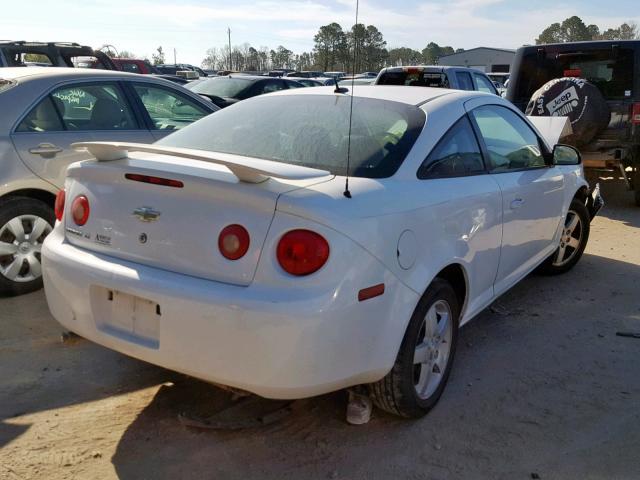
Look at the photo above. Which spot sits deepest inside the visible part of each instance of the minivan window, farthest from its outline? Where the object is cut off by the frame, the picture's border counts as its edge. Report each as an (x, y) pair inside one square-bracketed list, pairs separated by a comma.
[(611, 70), (311, 131)]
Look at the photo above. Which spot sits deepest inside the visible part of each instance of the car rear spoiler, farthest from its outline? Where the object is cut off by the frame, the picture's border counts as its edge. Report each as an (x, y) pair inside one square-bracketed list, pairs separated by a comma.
[(247, 169)]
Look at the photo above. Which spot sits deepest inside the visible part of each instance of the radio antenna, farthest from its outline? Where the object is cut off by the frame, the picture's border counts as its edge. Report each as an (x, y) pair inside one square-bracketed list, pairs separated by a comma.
[(346, 192)]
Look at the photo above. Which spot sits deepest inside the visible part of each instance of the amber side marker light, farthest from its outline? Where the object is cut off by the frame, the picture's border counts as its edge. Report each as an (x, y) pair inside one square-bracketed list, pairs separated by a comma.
[(370, 292)]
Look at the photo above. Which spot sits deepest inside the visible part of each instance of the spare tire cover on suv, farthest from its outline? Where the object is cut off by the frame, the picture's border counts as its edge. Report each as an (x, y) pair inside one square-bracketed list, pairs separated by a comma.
[(577, 99)]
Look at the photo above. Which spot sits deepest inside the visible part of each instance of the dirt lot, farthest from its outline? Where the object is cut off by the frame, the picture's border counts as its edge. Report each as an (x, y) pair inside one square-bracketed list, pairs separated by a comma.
[(542, 388)]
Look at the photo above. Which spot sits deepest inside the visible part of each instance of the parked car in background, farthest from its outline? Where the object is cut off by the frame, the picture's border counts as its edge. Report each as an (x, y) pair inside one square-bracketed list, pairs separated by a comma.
[(53, 54), (306, 74), (460, 78), (133, 65), (172, 78), (225, 91), (45, 110), (595, 84), (500, 77), (307, 82), (337, 75), (278, 283), (175, 68), (346, 81), (369, 74)]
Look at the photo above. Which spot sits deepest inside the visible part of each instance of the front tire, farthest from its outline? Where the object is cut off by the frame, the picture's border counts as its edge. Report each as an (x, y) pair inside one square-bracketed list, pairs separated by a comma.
[(24, 224), (422, 367), (573, 241)]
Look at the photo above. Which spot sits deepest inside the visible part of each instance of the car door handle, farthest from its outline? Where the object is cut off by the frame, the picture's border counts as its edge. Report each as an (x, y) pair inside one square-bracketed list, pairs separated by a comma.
[(45, 149), (517, 203)]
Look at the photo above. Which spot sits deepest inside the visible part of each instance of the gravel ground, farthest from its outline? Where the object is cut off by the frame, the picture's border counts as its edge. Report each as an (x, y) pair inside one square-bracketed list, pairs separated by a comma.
[(542, 388)]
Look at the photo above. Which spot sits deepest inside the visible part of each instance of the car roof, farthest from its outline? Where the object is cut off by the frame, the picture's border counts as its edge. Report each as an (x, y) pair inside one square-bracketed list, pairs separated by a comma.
[(408, 95), (432, 68), (18, 73)]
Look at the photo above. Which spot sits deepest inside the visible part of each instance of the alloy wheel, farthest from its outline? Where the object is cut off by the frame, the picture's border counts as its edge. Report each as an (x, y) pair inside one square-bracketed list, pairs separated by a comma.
[(433, 348), (570, 239), (20, 247)]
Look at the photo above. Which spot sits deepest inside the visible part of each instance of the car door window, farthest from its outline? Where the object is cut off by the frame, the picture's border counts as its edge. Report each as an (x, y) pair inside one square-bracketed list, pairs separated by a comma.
[(296, 84), (43, 118), (511, 143), (464, 81), (271, 86), (96, 106), (168, 110), (483, 84), (456, 154)]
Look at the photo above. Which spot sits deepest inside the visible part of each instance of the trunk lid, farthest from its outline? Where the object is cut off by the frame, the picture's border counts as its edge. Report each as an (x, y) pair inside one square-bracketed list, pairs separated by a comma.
[(171, 227)]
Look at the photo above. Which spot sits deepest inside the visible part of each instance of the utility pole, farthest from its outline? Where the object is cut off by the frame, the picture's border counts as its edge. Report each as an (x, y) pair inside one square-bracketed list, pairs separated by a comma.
[(229, 33), (175, 62)]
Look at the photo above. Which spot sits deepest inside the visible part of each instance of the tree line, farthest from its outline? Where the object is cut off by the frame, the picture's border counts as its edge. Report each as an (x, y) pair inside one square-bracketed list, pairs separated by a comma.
[(573, 29), (359, 49), (363, 48)]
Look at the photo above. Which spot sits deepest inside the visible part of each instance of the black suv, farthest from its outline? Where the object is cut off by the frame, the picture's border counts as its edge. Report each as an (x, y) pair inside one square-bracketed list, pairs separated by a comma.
[(599, 91), (53, 54)]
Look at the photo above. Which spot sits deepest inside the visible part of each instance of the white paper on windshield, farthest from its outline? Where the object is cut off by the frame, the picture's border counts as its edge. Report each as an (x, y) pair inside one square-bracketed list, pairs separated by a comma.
[(552, 128)]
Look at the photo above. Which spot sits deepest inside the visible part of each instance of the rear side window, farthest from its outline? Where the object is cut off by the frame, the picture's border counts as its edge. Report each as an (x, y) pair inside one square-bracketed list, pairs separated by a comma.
[(94, 107), (456, 154), (129, 67), (43, 118), (484, 85), (464, 81), (611, 70), (168, 110)]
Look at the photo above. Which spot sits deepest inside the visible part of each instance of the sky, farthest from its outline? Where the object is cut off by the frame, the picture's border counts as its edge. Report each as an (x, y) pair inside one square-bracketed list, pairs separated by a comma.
[(192, 26)]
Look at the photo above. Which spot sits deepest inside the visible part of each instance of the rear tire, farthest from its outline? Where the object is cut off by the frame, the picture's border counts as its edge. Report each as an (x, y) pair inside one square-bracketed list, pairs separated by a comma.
[(24, 223), (573, 241), (420, 373)]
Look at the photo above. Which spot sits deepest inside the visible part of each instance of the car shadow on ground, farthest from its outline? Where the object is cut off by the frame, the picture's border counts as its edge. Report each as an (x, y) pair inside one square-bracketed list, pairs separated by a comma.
[(527, 390)]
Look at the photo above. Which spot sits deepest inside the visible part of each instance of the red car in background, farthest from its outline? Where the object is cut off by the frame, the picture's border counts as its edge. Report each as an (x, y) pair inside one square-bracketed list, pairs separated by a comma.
[(134, 66)]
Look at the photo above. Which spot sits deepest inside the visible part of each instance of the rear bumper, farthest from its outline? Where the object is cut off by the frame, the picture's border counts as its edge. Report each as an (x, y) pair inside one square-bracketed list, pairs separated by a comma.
[(273, 342)]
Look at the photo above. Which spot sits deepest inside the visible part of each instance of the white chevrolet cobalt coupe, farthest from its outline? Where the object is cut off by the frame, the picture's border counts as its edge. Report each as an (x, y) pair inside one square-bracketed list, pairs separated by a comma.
[(234, 251)]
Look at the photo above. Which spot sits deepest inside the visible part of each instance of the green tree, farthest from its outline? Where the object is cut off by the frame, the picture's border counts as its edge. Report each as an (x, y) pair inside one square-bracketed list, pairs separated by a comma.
[(158, 56), (574, 30), (551, 34), (404, 56), (330, 47), (433, 51)]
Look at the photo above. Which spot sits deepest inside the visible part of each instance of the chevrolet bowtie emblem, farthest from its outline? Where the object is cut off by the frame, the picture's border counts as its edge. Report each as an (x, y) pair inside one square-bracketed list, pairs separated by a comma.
[(146, 214)]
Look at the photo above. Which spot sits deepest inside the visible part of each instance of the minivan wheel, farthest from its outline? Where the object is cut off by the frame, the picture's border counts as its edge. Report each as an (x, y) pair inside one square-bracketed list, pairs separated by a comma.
[(573, 241), (24, 224), (422, 367)]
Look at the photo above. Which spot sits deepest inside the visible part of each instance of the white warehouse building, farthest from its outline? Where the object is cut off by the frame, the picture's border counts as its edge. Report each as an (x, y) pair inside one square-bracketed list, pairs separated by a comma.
[(486, 59)]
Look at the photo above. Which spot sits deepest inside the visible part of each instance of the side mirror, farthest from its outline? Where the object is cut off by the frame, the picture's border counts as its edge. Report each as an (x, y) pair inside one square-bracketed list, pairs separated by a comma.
[(566, 155)]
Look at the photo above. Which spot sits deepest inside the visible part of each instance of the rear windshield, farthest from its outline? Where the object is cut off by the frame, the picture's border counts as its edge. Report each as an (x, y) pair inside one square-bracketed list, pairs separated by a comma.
[(608, 69), (312, 131), (221, 87), (415, 79)]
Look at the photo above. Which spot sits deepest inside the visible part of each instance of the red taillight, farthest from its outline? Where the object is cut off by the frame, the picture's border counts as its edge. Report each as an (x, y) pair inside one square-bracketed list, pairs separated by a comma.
[(59, 205), (80, 210), (635, 114), (233, 242), (302, 252), (167, 182)]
